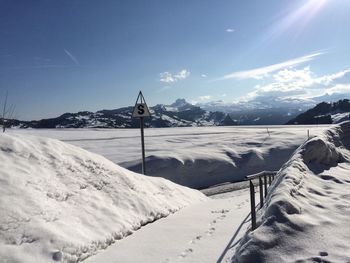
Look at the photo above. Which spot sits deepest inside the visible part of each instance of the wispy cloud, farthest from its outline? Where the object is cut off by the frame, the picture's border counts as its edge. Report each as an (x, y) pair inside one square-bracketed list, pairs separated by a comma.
[(230, 30), (37, 67), (168, 77), (259, 73), (72, 57), (164, 88), (204, 75)]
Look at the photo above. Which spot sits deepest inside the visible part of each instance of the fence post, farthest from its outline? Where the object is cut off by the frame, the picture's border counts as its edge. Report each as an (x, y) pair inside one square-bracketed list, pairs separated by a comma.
[(252, 204), (261, 191)]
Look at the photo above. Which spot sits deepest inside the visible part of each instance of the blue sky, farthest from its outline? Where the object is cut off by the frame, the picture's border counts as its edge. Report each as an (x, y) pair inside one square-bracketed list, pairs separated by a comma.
[(66, 56)]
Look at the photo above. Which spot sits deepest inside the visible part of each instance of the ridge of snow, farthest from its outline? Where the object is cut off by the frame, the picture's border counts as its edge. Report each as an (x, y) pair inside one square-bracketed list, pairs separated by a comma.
[(306, 214), (62, 203)]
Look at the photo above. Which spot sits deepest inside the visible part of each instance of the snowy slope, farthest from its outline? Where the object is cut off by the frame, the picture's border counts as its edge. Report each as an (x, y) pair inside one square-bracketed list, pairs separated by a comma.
[(340, 117), (306, 218), (326, 113), (61, 203)]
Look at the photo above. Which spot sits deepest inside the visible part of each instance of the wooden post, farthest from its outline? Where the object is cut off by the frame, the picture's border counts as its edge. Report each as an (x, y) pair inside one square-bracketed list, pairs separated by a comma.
[(261, 191), (252, 204), (265, 185)]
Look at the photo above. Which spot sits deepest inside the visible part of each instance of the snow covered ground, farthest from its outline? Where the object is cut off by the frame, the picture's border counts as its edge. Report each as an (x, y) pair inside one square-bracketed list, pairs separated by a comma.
[(204, 232), (61, 203), (194, 157), (306, 217)]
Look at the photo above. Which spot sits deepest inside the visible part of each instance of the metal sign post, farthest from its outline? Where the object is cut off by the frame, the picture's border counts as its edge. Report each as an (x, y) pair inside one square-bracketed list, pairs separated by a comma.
[(141, 111)]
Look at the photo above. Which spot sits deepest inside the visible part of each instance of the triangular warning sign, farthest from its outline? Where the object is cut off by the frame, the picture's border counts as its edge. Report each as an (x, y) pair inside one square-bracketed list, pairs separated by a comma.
[(141, 109)]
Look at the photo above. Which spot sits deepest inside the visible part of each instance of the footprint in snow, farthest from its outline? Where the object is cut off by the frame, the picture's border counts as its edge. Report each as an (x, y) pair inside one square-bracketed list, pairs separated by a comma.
[(186, 252), (220, 211), (196, 239), (323, 254), (210, 231)]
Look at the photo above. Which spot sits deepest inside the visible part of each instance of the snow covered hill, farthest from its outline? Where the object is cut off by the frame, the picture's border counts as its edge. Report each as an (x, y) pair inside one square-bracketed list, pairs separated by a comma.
[(306, 217), (61, 203), (325, 113)]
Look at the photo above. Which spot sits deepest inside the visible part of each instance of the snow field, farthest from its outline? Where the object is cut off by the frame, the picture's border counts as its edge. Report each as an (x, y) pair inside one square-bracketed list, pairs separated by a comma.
[(306, 216), (195, 157), (62, 203)]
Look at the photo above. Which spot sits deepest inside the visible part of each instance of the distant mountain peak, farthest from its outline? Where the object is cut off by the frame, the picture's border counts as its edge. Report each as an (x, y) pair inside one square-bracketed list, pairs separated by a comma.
[(180, 103)]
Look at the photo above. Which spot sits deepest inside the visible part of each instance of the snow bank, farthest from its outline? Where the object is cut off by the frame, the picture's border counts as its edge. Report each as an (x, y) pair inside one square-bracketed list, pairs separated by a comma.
[(62, 203), (306, 217)]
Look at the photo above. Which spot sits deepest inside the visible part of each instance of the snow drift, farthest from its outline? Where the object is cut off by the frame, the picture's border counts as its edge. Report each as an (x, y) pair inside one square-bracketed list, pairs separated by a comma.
[(306, 216), (62, 203)]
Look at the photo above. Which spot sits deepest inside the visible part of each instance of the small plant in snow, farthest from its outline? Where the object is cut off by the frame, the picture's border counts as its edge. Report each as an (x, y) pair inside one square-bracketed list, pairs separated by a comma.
[(7, 114)]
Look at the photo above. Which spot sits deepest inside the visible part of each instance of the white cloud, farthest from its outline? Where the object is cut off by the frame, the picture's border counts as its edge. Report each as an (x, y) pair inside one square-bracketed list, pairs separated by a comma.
[(168, 77), (328, 79), (230, 30), (183, 74), (300, 83), (205, 97), (259, 73), (204, 75), (339, 88)]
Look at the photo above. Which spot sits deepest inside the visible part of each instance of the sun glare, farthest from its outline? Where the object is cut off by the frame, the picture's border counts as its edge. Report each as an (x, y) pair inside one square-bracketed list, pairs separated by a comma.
[(296, 20)]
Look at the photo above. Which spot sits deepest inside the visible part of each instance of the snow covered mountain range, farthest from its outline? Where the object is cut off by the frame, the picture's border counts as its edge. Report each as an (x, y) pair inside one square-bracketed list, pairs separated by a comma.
[(178, 114), (265, 111)]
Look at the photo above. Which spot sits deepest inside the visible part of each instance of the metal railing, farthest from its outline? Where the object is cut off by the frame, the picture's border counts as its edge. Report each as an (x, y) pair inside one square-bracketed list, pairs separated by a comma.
[(265, 179)]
